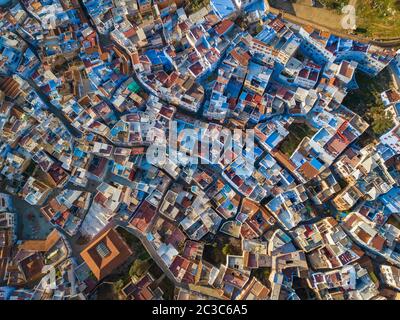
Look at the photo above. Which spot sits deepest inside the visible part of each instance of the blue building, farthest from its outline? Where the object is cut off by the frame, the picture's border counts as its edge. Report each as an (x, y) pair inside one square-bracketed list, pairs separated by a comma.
[(223, 8)]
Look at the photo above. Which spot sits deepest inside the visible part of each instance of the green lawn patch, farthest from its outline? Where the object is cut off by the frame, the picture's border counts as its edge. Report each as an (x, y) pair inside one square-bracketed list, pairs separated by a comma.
[(379, 18)]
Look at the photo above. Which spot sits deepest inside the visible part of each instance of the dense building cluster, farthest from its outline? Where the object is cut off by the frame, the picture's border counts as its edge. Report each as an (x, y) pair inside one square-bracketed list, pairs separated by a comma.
[(88, 86)]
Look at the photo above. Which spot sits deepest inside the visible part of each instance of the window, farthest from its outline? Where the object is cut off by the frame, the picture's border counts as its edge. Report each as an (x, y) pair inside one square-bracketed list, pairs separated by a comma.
[(102, 250)]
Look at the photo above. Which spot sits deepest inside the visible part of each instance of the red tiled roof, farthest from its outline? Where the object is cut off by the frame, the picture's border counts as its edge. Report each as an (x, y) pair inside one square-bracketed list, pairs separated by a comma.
[(223, 27), (115, 251)]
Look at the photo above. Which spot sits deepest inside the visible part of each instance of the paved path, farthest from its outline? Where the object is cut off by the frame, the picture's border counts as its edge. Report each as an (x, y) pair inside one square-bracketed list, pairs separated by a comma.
[(153, 253), (52, 109)]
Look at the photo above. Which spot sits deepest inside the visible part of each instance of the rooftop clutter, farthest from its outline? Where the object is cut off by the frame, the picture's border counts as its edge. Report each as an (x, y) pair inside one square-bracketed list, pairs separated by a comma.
[(87, 88)]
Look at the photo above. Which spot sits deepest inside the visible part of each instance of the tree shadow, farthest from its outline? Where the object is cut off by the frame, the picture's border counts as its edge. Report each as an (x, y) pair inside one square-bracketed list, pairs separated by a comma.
[(286, 6)]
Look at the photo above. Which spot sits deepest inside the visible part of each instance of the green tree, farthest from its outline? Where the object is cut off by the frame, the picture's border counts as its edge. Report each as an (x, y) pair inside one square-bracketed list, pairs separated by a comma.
[(138, 268), (227, 249), (262, 274), (335, 4), (118, 285), (382, 121), (259, 28)]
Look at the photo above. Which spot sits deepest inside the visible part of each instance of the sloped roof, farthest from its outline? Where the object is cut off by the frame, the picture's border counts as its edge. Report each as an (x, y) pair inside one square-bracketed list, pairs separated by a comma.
[(116, 252), (41, 245)]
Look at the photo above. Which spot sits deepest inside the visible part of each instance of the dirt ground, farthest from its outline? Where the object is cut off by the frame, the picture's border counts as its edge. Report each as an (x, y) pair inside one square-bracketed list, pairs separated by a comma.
[(304, 10), (375, 23)]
